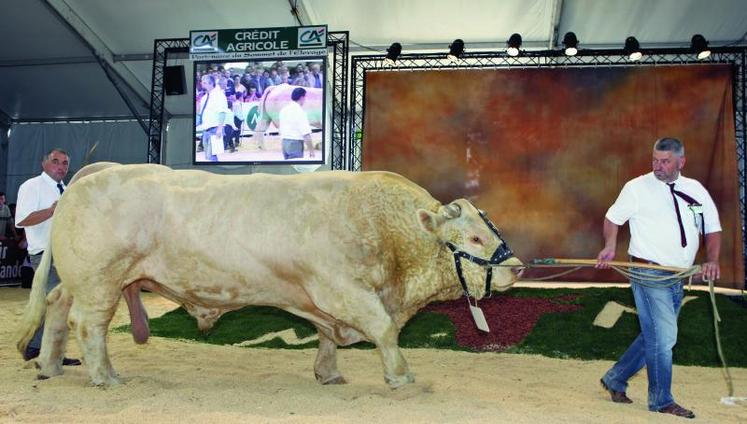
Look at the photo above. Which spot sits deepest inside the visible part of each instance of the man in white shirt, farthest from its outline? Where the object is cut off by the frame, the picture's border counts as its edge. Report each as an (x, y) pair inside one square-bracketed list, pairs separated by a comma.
[(37, 199), (666, 213), (6, 220), (212, 110), (316, 78), (295, 129)]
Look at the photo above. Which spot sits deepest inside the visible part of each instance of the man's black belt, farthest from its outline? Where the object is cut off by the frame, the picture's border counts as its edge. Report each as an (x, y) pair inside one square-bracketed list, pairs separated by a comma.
[(642, 261)]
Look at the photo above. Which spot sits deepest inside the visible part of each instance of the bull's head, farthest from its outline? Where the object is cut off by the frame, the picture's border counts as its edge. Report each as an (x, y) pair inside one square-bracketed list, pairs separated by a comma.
[(470, 235)]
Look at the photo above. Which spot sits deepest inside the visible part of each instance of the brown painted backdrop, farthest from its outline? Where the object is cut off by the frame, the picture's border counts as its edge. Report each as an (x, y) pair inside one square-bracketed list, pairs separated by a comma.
[(546, 151)]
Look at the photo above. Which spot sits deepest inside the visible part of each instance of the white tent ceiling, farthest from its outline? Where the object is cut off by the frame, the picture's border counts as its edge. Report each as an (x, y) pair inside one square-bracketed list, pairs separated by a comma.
[(51, 63)]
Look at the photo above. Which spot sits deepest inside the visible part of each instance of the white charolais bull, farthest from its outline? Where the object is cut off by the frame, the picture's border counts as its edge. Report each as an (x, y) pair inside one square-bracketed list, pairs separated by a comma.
[(356, 254), (276, 97)]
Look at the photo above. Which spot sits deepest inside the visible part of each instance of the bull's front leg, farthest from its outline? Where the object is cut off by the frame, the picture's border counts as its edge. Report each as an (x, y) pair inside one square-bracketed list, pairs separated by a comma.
[(325, 366), (371, 318), (396, 371)]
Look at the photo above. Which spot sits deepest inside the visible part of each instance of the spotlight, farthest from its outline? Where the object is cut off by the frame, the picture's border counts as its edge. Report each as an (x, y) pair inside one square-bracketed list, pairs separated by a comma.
[(633, 49), (514, 42), (392, 53), (456, 50), (700, 46), (571, 43)]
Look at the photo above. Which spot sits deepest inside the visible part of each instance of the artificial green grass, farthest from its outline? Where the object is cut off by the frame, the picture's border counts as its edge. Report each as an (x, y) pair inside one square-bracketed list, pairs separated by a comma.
[(572, 335), (563, 335)]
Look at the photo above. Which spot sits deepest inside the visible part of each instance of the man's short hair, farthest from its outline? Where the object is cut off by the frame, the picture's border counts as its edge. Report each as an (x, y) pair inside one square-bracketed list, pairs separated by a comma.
[(298, 93), (56, 149), (209, 78), (668, 144), (2, 193)]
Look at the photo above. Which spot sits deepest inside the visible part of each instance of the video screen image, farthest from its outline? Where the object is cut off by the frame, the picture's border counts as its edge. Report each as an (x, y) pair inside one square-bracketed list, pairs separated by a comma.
[(259, 112)]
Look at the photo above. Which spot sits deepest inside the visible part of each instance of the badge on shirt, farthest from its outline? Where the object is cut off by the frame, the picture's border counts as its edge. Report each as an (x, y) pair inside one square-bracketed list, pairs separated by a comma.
[(697, 211)]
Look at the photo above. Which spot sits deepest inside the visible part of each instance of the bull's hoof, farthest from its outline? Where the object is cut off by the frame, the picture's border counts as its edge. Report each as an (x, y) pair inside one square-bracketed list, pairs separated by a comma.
[(49, 371), (332, 379), (106, 382), (400, 380), (42, 377), (336, 380)]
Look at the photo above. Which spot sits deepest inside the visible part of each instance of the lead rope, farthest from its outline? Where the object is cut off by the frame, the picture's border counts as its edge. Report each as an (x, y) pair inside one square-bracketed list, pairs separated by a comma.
[(716, 320)]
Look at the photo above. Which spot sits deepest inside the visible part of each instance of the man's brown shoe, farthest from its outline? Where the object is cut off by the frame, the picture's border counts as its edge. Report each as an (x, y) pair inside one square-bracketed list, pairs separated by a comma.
[(677, 410), (617, 397)]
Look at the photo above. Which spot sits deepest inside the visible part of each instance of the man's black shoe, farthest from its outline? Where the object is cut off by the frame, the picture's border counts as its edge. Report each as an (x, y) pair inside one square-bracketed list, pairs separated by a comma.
[(677, 410), (71, 362), (617, 397), (32, 352)]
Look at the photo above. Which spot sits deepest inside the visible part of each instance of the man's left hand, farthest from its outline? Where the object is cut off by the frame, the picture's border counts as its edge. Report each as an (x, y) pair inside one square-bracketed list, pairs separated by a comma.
[(711, 271)]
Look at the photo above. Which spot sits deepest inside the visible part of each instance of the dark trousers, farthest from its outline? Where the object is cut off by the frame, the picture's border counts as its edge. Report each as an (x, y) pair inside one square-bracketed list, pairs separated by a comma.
[(292, 148)]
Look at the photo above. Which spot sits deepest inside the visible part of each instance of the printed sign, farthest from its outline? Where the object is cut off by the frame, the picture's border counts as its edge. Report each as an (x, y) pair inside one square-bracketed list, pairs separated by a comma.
[(280, 42)]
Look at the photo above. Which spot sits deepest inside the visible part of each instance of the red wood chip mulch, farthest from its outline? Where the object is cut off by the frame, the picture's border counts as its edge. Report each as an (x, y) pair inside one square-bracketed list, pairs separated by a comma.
[(510, 319)]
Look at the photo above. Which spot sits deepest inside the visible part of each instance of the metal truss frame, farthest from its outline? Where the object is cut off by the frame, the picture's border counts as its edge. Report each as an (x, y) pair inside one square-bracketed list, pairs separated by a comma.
[(338, 41), (161, 50), (734, 56)]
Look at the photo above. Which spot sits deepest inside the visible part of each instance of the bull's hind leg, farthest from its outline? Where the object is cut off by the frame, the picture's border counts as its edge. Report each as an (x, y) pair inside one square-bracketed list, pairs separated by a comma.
[(55, 333), (90, 324), (325, 366)]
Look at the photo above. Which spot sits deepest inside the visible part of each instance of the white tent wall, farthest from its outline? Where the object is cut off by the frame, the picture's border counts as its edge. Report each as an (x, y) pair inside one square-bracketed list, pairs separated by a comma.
[(84, 61), (120, 141)]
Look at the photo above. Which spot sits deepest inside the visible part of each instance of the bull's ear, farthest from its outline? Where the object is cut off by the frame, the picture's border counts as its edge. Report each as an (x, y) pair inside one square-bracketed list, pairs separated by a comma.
[(429, 221)]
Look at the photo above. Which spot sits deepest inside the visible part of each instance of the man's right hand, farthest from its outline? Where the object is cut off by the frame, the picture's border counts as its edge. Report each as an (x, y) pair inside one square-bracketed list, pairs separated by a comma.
[(605, 255)]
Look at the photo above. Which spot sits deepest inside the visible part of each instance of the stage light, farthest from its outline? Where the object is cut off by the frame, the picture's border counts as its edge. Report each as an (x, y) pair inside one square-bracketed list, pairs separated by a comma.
[(700, 46), (633, 49), (456, 50), (514, 42), (571, 44), (392, 53)]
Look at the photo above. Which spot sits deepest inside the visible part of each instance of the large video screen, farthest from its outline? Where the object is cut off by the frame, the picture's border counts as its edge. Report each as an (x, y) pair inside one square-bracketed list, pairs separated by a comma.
[(259, 112)]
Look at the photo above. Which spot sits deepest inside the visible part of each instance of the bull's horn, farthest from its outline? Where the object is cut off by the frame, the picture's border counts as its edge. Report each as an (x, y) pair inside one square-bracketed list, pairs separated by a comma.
[(452, 210)]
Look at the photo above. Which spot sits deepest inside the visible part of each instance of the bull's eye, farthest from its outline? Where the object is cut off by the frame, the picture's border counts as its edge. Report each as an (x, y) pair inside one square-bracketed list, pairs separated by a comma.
[(476, 240)]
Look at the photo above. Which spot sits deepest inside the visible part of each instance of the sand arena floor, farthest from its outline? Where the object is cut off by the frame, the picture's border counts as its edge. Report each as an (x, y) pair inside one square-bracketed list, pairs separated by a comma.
[(169, 381)]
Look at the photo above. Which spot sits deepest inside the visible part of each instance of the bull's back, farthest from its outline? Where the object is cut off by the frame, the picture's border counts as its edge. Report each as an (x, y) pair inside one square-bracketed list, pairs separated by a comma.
[(150, 221), (278, 206)]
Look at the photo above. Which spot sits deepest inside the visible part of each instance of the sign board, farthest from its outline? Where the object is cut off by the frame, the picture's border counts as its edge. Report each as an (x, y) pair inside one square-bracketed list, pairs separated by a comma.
[(12, 263), (258, 43)]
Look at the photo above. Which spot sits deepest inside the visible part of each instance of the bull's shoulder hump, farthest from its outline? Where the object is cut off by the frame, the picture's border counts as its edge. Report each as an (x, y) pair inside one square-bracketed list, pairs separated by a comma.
[(395, 182)]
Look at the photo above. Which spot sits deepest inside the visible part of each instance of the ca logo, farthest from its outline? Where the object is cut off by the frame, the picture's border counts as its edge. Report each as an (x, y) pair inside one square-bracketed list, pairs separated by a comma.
[(205, 40), (312, 37)]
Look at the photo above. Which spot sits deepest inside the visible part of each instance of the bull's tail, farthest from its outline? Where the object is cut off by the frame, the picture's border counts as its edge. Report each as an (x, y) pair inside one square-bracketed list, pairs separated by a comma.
[(37, 306), (264, 116)]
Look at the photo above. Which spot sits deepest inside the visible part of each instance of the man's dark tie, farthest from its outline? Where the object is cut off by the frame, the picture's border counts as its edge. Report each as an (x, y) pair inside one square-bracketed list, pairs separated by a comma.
[(60, 187), (679, 216)]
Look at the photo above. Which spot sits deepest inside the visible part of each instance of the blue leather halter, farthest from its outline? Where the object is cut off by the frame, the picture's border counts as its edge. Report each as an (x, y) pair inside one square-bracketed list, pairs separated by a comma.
[(501, 254)]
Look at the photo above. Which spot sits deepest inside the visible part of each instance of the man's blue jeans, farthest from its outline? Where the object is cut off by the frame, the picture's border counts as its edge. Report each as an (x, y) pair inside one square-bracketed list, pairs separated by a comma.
[(658, 308), (52, 282)]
